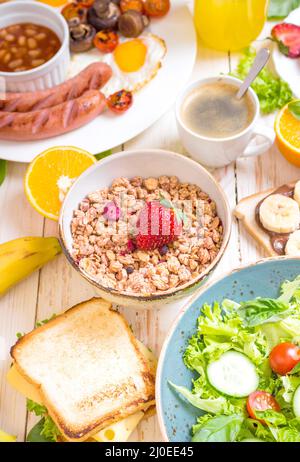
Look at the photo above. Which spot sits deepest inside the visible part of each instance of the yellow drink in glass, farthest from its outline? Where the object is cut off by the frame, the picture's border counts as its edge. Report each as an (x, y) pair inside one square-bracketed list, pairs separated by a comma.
[(229, 24)]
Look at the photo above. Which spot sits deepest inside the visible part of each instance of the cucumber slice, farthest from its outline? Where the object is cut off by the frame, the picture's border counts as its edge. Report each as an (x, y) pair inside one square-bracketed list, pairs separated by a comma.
[(233, 374), (296, 402)]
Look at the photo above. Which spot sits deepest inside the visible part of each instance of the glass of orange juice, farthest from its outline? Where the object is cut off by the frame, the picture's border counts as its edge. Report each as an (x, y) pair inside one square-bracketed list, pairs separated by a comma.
[(229, 24)]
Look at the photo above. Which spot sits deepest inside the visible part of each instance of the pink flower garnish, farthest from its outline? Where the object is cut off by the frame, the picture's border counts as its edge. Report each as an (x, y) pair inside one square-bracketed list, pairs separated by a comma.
[(112, 212)]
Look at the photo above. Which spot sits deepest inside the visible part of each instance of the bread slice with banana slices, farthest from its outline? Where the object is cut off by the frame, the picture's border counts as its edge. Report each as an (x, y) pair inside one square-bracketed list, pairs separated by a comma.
[(272, 218)]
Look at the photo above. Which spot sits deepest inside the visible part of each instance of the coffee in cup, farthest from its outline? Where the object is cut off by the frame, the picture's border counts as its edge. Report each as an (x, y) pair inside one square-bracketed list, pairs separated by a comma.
[(212, 110), (215, 127)]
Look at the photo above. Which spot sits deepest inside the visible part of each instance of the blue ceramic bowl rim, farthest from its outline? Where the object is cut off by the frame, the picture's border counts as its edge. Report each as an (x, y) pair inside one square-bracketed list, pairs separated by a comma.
[(184, 309)]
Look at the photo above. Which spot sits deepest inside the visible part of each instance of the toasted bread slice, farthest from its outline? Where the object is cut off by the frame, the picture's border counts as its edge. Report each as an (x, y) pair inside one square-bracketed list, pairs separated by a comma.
[(88, 368), (245, 212)]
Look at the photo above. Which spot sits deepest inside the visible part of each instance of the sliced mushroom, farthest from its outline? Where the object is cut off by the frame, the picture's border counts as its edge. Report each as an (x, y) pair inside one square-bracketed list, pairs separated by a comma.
[(81, 36), (102, 18), (132, 23)]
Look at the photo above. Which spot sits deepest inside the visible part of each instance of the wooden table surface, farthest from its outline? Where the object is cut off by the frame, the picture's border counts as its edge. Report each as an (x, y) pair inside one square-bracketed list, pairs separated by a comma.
[(57, 286)]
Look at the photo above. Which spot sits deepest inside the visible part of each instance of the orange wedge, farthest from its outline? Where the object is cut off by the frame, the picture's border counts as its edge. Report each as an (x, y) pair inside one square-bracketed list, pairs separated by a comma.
[(287, 129), (51, 174)]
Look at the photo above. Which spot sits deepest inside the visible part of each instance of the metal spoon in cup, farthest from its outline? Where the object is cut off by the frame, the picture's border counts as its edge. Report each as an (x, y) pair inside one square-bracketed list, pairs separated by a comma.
[(259, 62)]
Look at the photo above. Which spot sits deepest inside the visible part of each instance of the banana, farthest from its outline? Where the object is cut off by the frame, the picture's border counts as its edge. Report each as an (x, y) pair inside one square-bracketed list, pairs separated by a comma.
[(293, 244), (279, 214), (6, 438), (297, 192), (20, 257)]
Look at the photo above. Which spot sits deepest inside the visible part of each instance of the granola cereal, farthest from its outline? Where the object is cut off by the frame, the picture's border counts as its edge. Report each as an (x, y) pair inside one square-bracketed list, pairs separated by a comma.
[(104, 226)]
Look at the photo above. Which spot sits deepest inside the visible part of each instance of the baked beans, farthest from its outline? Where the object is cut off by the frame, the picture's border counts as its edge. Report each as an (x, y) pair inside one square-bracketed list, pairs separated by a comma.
[(26, 46)]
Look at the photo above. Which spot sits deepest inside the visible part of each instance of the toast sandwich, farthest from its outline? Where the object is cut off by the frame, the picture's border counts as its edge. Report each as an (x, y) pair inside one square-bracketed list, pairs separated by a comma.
[(86, 367)]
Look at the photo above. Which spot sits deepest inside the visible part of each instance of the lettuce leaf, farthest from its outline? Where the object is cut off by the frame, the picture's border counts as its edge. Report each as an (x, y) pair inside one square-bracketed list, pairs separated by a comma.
[(279, 9), (273, 333), (212, 323), (271, 417), (290, 290), (35, 434), (262, 310), (219, 429), (295, 369), (286, 389), (46, 428), (287, 435), (212, 405), (254, 429)]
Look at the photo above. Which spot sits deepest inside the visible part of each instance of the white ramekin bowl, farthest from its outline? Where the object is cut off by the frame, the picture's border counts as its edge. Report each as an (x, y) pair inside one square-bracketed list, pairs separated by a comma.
[(144, 163), (54, 71)]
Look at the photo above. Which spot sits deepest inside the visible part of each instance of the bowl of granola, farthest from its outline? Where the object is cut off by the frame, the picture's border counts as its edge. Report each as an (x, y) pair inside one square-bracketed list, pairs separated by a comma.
[(145, 227)]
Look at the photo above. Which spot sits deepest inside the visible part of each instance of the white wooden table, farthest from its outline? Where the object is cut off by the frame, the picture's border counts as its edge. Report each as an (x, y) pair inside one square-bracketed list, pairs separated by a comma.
[(57, 286)]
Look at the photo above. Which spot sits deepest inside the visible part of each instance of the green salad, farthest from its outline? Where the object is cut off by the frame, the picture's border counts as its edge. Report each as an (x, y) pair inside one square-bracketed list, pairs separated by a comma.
[(247, 362)]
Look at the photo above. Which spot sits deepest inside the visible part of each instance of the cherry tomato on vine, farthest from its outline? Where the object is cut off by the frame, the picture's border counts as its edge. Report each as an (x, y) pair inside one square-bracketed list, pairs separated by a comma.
[(284, 357), (120, 101), (156, 8), (106, 41), (261, 401)]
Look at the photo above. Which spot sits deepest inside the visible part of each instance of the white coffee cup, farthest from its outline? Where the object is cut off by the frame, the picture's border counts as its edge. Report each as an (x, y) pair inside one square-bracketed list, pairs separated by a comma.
[(218, 152)]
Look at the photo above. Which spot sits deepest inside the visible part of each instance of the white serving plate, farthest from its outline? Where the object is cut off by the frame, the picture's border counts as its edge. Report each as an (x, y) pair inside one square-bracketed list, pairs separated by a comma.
[(289, 69), (109, 130)]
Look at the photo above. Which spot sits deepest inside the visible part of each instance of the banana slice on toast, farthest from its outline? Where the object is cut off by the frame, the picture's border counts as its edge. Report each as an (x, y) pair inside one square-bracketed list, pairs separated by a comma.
[(279, 214)]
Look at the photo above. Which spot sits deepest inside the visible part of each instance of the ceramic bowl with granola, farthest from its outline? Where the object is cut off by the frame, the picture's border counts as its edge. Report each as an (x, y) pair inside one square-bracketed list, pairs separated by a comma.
[(145, 227)]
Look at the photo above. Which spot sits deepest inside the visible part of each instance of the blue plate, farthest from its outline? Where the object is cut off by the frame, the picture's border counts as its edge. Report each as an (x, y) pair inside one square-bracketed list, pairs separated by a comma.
[(263, 279)]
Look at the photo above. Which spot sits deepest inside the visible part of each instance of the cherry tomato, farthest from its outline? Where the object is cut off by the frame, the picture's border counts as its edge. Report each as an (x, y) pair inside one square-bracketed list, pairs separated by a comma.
[(106, 41), (284, 357), (156, 8), (120, 101), (136, 5), (74, 10), (261, 401)]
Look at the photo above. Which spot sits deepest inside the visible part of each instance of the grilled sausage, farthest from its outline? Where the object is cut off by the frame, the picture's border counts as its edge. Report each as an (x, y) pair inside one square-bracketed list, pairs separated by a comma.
[(51, 121), (92, 77)]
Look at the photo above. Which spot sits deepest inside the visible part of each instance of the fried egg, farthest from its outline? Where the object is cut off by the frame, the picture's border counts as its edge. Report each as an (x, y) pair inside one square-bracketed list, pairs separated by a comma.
[(134, 63)]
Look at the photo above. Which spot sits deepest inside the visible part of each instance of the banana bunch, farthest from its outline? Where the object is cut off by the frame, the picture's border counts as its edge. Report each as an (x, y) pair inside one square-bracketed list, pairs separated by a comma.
[(20, 257)]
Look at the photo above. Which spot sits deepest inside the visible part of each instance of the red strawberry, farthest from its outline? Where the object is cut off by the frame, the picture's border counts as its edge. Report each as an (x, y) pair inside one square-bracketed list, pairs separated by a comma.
[(288, 38), (157, 225)]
